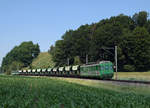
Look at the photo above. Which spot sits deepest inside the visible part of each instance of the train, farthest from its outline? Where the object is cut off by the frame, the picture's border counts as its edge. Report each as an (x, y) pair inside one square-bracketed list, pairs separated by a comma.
[(100, 70)]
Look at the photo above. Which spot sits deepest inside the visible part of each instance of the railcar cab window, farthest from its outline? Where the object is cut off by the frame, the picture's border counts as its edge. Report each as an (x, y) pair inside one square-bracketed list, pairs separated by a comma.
[(106, 67), (102, 67)]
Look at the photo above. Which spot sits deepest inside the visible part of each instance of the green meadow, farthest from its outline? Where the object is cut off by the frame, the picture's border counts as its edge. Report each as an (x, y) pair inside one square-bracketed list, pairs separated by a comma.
[(47, 92)]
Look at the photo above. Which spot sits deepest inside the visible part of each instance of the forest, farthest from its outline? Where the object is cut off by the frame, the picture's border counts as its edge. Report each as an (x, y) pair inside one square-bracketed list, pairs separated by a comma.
[(131, 34), (96, 41)]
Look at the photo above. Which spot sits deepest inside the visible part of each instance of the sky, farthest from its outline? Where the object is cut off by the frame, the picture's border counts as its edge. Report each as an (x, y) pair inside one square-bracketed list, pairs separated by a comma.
[(45, 21)]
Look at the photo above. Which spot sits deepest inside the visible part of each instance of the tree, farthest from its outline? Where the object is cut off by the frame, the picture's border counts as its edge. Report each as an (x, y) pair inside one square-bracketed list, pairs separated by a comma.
[(51, 49), (58, 54), (147, 26), (20, 56), (0, 70), (136, 49), (140, 18)]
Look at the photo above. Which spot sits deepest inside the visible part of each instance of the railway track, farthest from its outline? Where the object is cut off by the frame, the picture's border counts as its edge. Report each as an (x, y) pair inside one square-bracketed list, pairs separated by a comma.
[(113, 80), (93, 78), (130, 81)]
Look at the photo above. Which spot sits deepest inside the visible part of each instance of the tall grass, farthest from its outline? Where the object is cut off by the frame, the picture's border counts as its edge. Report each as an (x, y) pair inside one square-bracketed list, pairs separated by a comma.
[(37, 92)]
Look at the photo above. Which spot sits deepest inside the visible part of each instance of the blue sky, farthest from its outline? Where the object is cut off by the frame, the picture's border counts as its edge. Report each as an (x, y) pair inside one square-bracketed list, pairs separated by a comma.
[(45, 21)]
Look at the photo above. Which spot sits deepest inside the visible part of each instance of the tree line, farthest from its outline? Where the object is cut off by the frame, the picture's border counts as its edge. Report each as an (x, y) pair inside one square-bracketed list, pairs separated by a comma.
[(20, 56), (130, 33)]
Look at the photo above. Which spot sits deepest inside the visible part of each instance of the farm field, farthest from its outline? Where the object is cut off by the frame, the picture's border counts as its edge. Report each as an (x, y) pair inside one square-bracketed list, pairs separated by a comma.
[(46, 92), (145, 76)]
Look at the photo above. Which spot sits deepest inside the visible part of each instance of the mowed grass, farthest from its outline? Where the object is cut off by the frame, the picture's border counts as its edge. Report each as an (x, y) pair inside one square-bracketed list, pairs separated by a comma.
[(45, 92), (145, 76)]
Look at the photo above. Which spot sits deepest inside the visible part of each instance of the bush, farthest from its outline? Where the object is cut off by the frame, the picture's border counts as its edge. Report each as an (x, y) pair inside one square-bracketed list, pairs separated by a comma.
[(77, 60), (8, 72), (129, 68)]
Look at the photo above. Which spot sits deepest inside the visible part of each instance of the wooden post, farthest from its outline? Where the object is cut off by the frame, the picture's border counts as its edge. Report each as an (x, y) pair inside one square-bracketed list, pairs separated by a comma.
[(116, 62), (68, 61), (86, 58)]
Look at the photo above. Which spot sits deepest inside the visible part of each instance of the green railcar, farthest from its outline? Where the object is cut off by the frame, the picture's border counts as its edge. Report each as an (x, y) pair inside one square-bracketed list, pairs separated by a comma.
[(102, 70)]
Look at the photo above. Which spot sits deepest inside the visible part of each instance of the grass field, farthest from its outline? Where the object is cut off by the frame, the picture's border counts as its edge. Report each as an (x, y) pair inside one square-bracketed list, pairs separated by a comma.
[(134, 75), (44, 60), (45, 92), (134, 88)]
